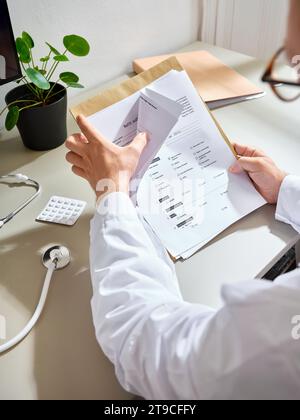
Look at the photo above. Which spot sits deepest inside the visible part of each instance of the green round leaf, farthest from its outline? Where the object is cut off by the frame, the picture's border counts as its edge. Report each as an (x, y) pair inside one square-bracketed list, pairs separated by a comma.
[(69, 77), (54, 50), (75, 85), (76, 45), (28, 40), (60, 58), (45, 59), (12, 118), (38, 79), (23, 51)]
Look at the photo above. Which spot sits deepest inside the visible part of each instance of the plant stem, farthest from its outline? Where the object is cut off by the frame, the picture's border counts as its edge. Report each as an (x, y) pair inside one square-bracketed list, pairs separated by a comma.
[(54, 67), (30, 87), (16, 102), (31, 106), (45, 65), (53, 70), (50, 71), (32, 59), (56, 93), (51, 90), (21, 79)]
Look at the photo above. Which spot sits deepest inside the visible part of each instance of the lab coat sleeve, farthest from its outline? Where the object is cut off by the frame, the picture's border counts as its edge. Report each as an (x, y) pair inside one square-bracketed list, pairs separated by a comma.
[(137, 302), (288, 207), (165, 348)]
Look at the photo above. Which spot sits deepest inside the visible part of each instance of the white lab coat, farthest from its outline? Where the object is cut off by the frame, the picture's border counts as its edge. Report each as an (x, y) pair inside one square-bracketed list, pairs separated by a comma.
[(165, 348)]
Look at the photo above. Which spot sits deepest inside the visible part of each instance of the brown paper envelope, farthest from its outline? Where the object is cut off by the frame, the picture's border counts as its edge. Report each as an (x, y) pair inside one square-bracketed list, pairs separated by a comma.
[(131, 86), (125, 89)]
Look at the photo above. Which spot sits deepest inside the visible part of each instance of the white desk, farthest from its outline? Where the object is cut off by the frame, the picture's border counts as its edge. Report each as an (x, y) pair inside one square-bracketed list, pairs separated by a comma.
[(61, 358)]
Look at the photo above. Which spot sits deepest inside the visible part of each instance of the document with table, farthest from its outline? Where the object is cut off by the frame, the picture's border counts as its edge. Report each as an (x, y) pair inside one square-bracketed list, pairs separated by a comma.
[(182, 187)]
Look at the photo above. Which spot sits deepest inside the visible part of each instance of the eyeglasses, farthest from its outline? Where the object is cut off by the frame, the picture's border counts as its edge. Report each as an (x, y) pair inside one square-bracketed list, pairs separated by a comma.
[(284, 76)]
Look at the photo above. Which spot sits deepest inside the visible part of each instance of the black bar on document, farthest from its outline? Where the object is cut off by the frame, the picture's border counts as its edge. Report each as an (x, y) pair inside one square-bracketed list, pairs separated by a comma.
[(185, 222), (174, 207)]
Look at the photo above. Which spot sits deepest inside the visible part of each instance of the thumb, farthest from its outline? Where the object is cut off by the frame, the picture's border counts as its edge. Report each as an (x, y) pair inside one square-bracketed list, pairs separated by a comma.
[(247, 164), (236, 168), (139, 143)]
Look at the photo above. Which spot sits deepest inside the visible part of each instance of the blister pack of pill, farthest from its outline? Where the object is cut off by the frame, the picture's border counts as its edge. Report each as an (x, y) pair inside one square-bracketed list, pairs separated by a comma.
[(62, 211)]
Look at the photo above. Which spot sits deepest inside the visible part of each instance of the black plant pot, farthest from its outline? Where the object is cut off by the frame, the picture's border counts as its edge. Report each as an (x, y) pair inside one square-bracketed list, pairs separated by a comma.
[(43, 127)]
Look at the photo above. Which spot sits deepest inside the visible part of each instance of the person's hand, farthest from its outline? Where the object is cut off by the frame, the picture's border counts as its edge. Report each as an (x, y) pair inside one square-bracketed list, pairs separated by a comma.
[(292, 43), (266, 176), (107, 167)]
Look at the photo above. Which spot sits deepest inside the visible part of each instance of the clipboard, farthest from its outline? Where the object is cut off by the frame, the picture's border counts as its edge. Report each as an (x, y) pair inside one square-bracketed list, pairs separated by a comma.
[(131, 86)]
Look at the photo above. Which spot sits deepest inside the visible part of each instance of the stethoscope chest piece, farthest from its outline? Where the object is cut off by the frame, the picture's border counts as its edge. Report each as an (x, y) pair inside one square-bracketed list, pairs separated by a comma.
[(59, 255)]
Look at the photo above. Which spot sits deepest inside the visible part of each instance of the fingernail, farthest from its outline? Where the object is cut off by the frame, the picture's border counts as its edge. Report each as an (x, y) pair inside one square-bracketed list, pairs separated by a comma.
[(84, 139)]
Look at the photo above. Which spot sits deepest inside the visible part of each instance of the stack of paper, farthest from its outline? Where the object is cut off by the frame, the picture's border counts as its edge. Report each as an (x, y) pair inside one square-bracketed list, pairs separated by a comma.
[(186, 195)]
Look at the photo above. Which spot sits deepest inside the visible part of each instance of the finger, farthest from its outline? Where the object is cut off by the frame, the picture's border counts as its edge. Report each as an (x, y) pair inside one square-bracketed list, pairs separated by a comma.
[(89, 131), (236, 168), (247, 151), (75, 144), (139, 143), (251, 165), (80, 137), (75, 160), (79, 172), (83, 139)]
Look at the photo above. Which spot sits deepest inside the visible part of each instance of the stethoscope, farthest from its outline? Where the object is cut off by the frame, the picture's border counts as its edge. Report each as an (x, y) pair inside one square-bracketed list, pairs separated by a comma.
[(27, 181), (55, 258)]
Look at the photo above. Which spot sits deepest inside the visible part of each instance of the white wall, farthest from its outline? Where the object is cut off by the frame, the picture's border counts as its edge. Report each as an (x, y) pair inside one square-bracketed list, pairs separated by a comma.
[(118, 30), (255, 27)]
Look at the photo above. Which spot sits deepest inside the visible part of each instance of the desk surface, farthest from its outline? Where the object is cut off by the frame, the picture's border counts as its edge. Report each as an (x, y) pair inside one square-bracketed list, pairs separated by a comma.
[(60, 358)]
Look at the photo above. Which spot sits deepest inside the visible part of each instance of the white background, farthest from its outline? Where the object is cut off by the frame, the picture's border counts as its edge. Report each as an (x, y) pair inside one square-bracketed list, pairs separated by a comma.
[(255, 27), (121, 30), (118, 31)]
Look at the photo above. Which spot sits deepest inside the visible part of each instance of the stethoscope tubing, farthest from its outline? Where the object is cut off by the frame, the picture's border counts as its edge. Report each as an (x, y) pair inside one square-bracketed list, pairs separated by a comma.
[(26, 181)]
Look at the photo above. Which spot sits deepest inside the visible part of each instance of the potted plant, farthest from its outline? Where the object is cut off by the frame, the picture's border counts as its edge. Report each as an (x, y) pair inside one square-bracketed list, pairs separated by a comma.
[(38, 106)]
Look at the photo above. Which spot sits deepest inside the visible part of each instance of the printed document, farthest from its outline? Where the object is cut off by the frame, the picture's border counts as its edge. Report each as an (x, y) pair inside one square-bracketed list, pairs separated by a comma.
[(183, 188)]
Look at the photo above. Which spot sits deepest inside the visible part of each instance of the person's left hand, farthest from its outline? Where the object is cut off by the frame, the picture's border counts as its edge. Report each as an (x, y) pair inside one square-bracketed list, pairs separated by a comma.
[(264, 173), (107, 167)]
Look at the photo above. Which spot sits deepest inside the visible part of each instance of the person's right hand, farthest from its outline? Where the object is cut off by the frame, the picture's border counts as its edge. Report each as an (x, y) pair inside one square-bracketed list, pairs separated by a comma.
[(266, 176), (107, 167)]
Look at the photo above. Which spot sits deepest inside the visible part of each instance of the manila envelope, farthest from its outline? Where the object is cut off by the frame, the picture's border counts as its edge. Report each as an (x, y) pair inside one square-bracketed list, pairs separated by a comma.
[(131, 86)]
